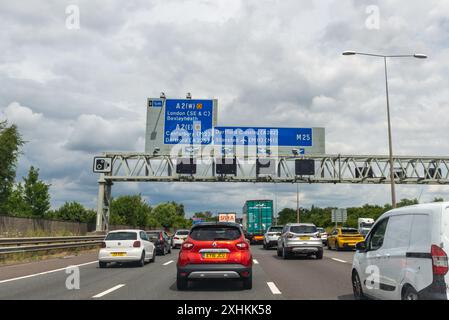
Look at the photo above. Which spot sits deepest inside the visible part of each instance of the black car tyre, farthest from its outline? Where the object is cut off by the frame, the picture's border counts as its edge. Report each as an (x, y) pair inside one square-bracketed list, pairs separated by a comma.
[(284, 253), (357, 287), (410, 294), (279, 252), (319, 254), (181, 283), (102, 264), (337, 247), (153, 259), (141, 262), (248, 282)]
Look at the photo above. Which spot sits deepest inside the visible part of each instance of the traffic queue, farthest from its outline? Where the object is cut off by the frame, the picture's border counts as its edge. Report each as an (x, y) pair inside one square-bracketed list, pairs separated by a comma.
[(402, 255)]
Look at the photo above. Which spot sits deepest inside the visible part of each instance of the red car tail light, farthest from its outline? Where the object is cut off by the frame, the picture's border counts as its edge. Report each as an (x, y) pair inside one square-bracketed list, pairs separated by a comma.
[(176, 238), (103, 244), (242, 245), (160, 237), (187, 245), (136, 244), (439, 260)]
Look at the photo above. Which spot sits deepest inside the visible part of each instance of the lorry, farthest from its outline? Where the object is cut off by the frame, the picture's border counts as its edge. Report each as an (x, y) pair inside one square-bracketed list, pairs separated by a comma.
[(364, 225), (257, 218)]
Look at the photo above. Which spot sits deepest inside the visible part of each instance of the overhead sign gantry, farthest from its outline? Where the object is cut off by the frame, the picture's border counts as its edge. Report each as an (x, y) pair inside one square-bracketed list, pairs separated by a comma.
[(184, 144)]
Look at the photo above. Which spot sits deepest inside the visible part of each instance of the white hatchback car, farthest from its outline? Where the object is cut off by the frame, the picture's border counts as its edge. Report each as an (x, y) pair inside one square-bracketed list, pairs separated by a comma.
[(126, 246), (404, 255), (179, 237)]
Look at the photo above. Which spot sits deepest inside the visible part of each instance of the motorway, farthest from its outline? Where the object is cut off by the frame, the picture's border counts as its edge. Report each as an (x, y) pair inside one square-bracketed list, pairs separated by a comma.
[(273, 278)]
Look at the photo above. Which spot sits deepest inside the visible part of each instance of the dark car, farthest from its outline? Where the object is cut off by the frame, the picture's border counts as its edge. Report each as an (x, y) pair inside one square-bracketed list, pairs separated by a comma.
[(161, 240)]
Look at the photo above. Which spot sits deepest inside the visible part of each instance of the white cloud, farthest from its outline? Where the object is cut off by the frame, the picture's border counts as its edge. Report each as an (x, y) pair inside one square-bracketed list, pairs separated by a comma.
[(76, 93), (22, 116)]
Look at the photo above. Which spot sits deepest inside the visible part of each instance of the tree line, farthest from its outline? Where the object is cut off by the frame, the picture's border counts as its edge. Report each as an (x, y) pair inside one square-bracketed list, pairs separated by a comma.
[(321, 217)]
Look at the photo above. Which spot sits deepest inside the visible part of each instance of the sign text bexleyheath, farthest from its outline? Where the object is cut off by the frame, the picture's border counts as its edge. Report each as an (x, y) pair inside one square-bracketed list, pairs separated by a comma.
[(188, 121)]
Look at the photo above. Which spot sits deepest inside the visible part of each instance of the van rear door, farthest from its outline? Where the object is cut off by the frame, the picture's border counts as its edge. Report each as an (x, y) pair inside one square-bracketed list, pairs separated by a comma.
[(418, 253)]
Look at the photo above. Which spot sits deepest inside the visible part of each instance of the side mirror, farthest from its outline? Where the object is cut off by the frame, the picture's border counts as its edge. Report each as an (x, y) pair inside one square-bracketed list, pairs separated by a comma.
[(361, 246)]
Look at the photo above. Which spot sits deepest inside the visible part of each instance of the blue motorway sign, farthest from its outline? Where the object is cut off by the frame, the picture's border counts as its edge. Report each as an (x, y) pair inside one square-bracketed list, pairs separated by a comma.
[(197, 220), (263, 136), (188, 121)]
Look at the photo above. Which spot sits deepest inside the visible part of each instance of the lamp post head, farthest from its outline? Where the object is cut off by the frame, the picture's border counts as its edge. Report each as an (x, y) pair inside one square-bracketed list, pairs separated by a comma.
[(349, 53), (420, 56)]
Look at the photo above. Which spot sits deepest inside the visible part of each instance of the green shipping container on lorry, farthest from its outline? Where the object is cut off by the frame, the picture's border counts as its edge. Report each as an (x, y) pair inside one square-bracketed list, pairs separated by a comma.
[(257, 216)]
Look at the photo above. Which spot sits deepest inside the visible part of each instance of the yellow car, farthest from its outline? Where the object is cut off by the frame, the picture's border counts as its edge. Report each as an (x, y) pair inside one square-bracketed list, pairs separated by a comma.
[(344, 238)]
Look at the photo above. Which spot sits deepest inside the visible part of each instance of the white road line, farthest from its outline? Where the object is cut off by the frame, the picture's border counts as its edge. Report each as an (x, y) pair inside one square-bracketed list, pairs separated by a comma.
[(339, 260), (273, 288), (108, 291), (255, 261), (46, 272), (167, 263)]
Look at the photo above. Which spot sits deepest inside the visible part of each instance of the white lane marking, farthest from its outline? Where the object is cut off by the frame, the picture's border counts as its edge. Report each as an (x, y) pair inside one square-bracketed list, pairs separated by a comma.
[(273, 288), (255, 261), (167, 263), (101, 294), (46, 272), (339, 260)]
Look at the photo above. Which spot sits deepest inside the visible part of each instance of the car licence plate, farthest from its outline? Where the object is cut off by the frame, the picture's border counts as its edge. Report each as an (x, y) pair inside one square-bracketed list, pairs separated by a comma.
[(118, 254), (214, 255), (304, 238)]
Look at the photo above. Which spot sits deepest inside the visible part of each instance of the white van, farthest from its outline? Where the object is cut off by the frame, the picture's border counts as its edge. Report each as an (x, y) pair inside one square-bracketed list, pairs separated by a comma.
[(404, 255)]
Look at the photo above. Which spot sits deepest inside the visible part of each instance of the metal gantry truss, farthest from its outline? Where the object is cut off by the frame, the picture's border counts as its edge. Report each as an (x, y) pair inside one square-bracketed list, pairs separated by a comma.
[(362, 169)]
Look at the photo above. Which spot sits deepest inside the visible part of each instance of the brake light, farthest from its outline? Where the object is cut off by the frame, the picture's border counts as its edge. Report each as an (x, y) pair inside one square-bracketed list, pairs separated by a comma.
[(176, 238), (136, 244), (187, 245), (103, 244), (242, 245), (439, 260), (160, 237)]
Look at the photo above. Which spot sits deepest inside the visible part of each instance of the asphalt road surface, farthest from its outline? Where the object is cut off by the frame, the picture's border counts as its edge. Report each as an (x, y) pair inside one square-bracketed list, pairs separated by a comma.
[(273, 278)]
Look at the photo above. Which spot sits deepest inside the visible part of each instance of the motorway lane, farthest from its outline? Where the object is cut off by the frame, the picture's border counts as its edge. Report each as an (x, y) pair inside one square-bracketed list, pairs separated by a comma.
[(297, 278), (154, 281), (308, 278)]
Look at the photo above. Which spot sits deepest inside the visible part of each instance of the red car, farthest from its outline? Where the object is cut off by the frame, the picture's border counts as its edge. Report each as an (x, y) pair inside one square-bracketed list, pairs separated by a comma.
[(215, 251)]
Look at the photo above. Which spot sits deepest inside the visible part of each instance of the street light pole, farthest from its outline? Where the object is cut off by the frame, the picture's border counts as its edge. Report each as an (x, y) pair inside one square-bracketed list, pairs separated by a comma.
[(390, 143), (297, 202)]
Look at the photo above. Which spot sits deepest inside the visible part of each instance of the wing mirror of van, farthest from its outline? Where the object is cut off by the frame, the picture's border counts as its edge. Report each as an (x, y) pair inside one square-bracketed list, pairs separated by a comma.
[(361, 246)]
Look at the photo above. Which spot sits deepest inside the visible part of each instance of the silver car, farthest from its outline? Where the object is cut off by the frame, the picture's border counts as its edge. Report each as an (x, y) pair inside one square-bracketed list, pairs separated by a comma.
[(270, 238), (300, 238)]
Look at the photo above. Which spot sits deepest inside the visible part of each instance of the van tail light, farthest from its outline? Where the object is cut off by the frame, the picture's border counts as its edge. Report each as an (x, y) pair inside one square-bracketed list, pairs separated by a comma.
[(242, 245), (439, 260), (136, 244), (187, 245), (103, 244)]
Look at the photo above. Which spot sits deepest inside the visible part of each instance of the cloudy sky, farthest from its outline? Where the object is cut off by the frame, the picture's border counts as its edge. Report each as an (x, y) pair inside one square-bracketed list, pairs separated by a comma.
[(76, 92)]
